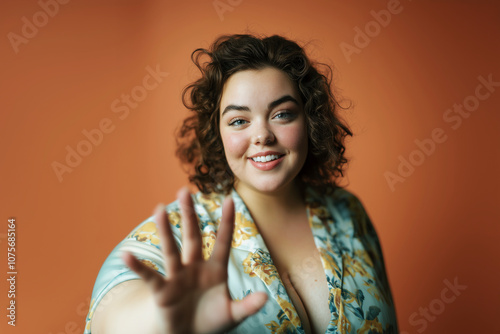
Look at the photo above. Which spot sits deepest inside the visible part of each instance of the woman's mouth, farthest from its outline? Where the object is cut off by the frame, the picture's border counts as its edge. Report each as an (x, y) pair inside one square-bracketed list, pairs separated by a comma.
[(265, 158), (266, 162)]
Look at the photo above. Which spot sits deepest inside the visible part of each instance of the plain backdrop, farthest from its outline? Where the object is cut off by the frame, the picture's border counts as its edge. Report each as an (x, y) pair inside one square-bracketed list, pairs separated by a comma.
[(426, 173)]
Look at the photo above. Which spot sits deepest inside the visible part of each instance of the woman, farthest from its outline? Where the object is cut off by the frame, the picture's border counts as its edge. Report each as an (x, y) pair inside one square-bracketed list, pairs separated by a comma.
[(271, 243)]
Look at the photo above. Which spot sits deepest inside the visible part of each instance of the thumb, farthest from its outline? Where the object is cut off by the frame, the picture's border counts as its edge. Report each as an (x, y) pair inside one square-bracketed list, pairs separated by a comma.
[(247, 306)]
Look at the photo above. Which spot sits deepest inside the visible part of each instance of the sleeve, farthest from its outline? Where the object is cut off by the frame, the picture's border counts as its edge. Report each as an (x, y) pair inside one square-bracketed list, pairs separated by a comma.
[(365, 231), (144, 243)]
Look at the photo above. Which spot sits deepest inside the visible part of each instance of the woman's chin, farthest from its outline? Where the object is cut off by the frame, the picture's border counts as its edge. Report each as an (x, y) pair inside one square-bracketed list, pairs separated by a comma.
[(267, 187)]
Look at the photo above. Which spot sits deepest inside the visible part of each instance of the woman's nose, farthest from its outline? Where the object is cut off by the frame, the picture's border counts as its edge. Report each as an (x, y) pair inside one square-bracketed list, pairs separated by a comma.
[(263, 135)]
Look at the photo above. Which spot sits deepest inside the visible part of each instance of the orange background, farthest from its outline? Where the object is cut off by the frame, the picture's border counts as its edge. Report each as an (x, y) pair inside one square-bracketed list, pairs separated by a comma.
[(440, 223)]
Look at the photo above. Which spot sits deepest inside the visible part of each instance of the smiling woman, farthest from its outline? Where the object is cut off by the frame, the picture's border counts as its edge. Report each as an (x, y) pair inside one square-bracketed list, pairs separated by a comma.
[(270, 115), (265, 145)]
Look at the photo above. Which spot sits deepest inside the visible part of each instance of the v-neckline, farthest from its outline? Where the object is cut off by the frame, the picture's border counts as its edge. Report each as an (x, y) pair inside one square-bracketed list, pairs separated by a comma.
[(262, 265)]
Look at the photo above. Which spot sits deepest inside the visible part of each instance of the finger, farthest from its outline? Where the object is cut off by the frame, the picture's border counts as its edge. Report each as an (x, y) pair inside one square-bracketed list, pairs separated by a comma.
[(152, 278), (167, 241), (222, 245), (247, 306), (191, 236)]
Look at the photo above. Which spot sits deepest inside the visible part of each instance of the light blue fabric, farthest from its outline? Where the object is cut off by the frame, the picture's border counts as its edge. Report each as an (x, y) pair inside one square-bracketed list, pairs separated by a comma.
[(359, 297)]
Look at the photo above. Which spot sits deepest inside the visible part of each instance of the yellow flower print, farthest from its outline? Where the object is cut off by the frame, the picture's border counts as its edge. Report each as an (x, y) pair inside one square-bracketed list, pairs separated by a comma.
[(363, 255), (208, 242), (92, 311), (149, 264), (210, 202), (174, 218), (341, 320), (290, 311), (337, 298), (328, 260), (349, 297), (316, 209), (89, 316), (244, 229), (370, 326), (248, 265), (353, 267), (378, 294), (344, 323), (372, 289), (147, 232), (260, 264), (281, 328), (314, 223)]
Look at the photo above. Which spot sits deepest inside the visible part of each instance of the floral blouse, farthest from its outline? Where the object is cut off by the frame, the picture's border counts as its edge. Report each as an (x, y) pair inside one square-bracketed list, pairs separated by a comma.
[(359, 297)]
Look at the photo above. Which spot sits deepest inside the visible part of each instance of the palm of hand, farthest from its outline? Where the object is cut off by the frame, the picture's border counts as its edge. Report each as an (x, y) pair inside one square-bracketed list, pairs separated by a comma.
[(194, 297)]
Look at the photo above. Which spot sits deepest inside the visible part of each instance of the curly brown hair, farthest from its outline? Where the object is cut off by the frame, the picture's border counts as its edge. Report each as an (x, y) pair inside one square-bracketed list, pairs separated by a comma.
[(199, 143)]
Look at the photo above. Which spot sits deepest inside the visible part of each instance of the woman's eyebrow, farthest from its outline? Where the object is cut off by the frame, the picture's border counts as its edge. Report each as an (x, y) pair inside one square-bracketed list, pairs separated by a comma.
[(271, 105)]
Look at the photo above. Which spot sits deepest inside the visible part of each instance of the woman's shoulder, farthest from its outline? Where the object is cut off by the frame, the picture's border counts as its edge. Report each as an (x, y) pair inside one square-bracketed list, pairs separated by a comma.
[(345, 207), (335, 195), (208, 209), (205, 205)]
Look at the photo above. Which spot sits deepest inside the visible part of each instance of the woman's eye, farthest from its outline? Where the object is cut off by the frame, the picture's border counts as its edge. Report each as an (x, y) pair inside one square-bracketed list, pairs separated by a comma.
[(237, 122), (284, 115)]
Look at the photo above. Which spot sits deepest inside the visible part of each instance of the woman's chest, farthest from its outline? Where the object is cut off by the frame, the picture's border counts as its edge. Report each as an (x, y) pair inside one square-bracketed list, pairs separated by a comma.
[(299, 265)]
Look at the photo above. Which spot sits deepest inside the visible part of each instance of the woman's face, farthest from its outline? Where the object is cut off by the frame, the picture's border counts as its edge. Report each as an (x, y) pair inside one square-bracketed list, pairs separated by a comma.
[(263, 130)]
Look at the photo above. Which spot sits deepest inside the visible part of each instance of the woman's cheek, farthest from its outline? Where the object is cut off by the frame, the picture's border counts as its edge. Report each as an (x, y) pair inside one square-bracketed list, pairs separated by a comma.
[(293, 137), (235, 145)]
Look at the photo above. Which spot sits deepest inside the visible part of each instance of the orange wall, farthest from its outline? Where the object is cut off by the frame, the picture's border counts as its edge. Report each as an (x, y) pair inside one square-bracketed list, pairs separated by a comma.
[(440, 224)]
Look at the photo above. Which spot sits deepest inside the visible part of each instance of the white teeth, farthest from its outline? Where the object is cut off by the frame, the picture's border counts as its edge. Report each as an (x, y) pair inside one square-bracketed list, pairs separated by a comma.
[(265, 158)]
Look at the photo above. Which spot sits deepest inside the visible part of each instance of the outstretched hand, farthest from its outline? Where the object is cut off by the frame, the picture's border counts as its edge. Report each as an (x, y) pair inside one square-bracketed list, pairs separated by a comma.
[(194, 297)]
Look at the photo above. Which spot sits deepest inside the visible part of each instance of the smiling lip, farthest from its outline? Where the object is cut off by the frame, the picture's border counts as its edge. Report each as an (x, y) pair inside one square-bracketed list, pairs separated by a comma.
[(268, 165), (260, 154)]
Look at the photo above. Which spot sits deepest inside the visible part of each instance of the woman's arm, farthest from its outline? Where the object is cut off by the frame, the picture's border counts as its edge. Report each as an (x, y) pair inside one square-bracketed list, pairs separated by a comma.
[(129, 308), (192, 297)]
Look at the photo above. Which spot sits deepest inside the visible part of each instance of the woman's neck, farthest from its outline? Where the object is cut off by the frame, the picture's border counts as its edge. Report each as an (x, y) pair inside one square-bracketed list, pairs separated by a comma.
[(277, 208)]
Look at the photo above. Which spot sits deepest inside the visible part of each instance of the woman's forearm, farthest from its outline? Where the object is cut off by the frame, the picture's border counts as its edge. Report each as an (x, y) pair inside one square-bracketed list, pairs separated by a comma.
[(127, 308)]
